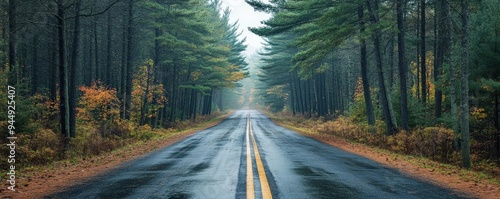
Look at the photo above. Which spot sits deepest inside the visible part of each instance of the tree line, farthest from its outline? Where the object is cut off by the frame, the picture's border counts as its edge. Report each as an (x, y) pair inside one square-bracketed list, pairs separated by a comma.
[(176, 59), (407, 63)]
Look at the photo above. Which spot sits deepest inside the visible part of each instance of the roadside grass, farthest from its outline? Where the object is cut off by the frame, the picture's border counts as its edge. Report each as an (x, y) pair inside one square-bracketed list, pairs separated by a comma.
[(482, 172)]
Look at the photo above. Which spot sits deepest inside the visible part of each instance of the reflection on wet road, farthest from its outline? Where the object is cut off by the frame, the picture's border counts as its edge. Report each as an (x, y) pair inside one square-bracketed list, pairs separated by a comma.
[(248, 156)]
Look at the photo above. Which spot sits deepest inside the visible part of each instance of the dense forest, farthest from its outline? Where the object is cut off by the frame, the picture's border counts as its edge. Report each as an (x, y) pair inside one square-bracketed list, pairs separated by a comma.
[(88, 71), (390, 67), (418, 76)]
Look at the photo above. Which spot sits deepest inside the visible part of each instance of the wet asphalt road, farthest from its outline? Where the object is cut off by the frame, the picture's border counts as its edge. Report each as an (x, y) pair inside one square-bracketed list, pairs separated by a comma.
[(213, 164)]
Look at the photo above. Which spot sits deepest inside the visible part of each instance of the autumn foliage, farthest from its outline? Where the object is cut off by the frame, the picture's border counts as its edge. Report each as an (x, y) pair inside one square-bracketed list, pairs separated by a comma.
[(147, 93), (435, 143), (98, 104)]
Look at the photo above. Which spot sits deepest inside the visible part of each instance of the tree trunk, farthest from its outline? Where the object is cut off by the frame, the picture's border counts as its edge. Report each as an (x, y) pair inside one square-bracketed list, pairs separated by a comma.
[(73, 71), (464, 95), (373, 9), (403, 68), (87, 72), (52, 53), (364, 72), (158, 72), (123, 71), (423, 68), (443, 52), (4, 26), (63, 78), (128, 87), (497, 126), (34, 68), (96, 52), (390, 53), (108, 50), (12, 42), (142, 119)]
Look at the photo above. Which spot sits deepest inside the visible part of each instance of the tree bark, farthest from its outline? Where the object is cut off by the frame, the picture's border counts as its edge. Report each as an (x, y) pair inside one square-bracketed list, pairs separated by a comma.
[(51, 47), (373, 9), (403, 68), (464, 95), (123, 71), (34, 69), (128, 87), (12, 42), (98, 73), (364, 72), (108, 51), (73, 71), (63, 78), (497, 126), (423, 68)]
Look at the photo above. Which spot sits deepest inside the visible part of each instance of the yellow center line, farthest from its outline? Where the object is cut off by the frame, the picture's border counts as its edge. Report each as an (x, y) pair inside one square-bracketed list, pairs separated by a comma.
[(250, 186), (264, 184)]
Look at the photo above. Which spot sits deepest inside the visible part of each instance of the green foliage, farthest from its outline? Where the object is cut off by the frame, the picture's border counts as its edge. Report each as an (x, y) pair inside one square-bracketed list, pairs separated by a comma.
[(418, 114), (485, 42), (24, 108)]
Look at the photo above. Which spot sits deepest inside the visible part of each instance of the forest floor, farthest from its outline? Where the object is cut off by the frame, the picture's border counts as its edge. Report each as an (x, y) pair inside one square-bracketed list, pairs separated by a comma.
[(40, 181), (470, 182)]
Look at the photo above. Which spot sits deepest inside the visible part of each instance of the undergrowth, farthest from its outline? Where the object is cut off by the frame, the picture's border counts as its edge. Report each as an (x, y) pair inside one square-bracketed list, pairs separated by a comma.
[(431, 146)]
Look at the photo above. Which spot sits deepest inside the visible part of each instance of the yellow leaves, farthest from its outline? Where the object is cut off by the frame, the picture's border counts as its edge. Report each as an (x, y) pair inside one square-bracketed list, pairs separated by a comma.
[(358, 92), (478, 113), (98, 103), (144, 79)]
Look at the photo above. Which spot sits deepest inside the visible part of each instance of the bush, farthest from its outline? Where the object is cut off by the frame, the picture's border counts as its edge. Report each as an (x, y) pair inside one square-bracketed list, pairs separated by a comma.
[(40, 148), (89, 142), (435, 143), (432, 142), (98, 104)]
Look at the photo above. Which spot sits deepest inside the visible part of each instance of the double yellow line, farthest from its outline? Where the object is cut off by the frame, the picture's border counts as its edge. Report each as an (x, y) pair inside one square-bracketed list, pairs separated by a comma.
[(264, 184)]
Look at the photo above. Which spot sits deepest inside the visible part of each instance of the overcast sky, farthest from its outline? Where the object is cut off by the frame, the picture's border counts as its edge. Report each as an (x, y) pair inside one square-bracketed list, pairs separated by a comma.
[(246, 17)]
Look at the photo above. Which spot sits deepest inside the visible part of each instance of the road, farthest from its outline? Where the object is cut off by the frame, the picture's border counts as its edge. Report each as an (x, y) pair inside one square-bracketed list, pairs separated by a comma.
[(248, 156)]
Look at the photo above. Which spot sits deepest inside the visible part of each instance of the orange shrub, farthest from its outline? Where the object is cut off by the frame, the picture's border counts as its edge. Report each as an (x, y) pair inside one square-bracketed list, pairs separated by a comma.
[(98, 104)]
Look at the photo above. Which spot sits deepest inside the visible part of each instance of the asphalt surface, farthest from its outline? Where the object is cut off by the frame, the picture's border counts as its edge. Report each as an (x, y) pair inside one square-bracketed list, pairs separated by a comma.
[(213, 164)]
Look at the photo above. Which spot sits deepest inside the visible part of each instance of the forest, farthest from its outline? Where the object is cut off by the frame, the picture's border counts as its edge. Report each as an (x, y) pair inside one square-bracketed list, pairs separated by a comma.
[(90, 76), (420, 77)]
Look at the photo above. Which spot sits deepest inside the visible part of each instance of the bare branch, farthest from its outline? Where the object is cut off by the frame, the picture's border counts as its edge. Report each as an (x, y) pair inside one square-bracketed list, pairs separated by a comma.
[(98, 13)]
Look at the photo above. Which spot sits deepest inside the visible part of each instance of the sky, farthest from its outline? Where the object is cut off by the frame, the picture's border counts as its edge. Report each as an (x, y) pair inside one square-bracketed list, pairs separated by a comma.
[(246, 17)]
